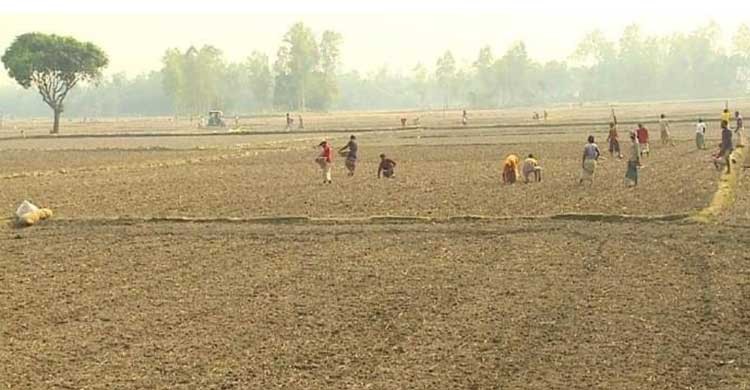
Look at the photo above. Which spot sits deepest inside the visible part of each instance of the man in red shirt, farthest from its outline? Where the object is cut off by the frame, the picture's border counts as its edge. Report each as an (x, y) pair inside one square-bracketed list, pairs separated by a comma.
[(642, 133), (325, 160)]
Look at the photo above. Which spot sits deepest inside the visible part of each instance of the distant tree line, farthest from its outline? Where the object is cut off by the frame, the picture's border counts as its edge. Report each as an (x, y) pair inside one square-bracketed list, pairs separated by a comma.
[(306, 75)]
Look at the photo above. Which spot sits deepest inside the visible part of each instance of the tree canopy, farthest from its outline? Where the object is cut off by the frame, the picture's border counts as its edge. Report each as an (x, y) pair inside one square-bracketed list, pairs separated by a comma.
[(54, 65)]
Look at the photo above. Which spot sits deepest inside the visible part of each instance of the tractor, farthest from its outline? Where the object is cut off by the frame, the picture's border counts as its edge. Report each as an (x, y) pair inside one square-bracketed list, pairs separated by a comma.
[(215, 119)]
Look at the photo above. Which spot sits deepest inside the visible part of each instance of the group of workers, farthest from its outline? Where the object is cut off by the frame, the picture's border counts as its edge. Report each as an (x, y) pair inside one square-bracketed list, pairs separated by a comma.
[(639, 145), (386, 168), (531, 171)]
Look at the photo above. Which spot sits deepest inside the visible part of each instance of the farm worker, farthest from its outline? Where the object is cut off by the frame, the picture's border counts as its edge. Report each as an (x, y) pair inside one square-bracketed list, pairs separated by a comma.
[(588, 164), (464, 118), (612, 139), (726, 144), (738, 130), (510, 169), (666, 138), (642, 134), (325, 160), (725, 115), (634, 162), (288, 121), (387, 167), (351, 154), (531, 166), (700, 135)]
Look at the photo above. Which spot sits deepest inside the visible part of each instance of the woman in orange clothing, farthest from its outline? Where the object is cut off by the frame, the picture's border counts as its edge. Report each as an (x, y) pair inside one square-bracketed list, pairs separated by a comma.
[(510, 169)]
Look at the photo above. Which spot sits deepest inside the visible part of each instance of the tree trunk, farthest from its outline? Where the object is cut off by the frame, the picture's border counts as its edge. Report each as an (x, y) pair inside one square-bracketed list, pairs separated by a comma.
[(56, 123)]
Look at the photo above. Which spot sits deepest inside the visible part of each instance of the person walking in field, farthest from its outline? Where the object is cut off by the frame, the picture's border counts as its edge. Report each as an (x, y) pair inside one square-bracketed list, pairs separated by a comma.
[(740, 127), (613, 141), (531, 167), (634, 162), (666, 137), (386, 168), (642, 134), (726, 145), (288, 122), (351, 154), (510, 169), (325, 161), (590, 157), (700, 135), (465, 118)]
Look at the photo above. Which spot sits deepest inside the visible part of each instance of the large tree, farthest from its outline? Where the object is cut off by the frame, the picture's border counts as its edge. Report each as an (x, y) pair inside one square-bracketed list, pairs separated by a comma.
[(306, 69), (260, 78), (54, 65), (193, 79)]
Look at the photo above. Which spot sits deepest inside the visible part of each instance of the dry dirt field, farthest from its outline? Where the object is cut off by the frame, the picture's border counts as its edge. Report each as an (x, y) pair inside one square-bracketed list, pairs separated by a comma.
[(113, 294)]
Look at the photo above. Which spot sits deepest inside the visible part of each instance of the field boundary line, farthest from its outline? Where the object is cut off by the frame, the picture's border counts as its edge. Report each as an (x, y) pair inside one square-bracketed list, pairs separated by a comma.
[(373, 220)]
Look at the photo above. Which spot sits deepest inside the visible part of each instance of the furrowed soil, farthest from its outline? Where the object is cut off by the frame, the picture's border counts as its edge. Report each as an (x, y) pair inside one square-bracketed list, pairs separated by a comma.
[(110, 294)]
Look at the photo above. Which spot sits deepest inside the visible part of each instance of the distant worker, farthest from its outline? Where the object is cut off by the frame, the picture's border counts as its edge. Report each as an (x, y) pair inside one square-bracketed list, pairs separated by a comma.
[(510, 169), (726, 115), (301, 124), (351, 154), (700, 134), (465, 118), (642, 134), (740, 127), (613, 140), (403, 121), (325, 161), (666, 137), (634, 162), (288, 121), (531, 167), (590, 158), (726, 144), (387, 167)]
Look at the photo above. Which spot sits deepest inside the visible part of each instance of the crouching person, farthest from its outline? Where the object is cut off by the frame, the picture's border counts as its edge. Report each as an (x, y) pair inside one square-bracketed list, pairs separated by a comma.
[(531, 167), (510, 169), (387, 167)]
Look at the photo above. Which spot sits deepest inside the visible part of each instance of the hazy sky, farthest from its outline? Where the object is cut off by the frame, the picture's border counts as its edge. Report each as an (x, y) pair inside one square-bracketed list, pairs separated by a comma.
[(399, 34)]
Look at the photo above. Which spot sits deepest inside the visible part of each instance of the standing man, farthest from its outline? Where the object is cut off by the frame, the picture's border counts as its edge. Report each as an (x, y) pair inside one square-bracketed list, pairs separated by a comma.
[(465, 118), (386, 168), (642, 133), (634, 162), (590, 157), (740, 126), (288, 122), (612, 139), (325, 160), (700, 135), (351, 155), (725, 115), (666, 137), (726, 144)]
